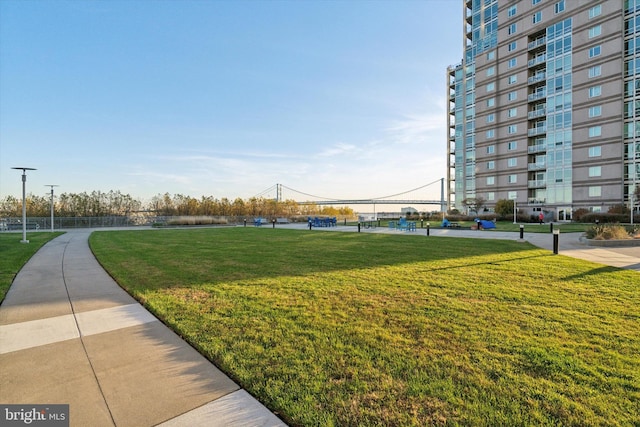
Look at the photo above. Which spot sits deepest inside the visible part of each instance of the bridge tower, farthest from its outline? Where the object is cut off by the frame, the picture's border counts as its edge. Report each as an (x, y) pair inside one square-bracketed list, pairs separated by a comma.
[(278, 193)]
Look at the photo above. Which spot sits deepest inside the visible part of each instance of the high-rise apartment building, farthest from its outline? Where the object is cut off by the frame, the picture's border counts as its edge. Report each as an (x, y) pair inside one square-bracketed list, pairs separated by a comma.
[(544, 108)]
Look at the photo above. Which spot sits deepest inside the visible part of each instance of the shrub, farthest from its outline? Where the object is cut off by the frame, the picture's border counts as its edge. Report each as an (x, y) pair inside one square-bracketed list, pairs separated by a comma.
[(605, 218), (578, 214), (607, 232), (197, 220)]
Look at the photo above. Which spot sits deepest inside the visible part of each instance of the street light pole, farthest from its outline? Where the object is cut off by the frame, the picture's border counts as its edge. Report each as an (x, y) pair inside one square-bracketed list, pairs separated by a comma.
[(51, 185), (24, 202)]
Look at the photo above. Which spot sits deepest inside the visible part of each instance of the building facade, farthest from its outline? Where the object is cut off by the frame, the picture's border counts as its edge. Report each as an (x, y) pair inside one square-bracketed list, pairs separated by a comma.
[(544, 104)]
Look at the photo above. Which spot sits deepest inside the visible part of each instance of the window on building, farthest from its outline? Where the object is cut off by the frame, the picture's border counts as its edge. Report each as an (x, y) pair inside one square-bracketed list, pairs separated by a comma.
[(595, 11), (512, 28), (512, 10), (491, 133), (594, 51), (512, 195), (491, 164), (595, 131), (491, 87), (513, 79), (595, 91), (535, 2), (512, 129), (491, 149), (512, 112), (512, 62), (595, 171), (512, 145), (491, 102), (491, 196), (595, 71), (491, 55), (595, 191), (512, 46), (595, 31), (491, 118), (491, 180), (595, 111), (512, 179), (513, 95), (491, 71), (595, 151), (559, 7), (537, 17), (512, 162)]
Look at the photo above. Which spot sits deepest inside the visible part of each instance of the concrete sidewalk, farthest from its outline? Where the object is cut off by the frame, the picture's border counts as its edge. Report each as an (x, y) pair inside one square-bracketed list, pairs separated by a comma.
[(70, 335)]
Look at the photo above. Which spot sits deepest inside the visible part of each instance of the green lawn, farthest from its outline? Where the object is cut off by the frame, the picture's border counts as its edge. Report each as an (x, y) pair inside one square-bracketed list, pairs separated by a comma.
[(13, 255), (360, 329)]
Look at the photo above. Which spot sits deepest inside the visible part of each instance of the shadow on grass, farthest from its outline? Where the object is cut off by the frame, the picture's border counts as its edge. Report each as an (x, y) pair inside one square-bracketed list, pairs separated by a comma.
[(165, 258)]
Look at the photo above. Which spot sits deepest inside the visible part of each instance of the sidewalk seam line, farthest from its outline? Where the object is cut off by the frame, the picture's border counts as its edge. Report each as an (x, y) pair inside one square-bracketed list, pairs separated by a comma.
[(84, 348)]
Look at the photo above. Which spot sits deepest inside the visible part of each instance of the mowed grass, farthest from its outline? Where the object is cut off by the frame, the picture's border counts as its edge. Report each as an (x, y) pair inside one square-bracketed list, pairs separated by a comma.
[(355, 329), (13, 254)]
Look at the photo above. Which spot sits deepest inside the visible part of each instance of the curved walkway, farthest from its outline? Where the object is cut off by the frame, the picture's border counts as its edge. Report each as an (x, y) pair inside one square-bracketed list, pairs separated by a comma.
[(70, 335)]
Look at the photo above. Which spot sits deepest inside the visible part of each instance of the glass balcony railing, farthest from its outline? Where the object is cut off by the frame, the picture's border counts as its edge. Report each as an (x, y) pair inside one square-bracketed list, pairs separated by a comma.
[(534, 201), (537, 131), (536, 148), (538, 77), (537, 60), (536, 166), (540, 112), (537, 95), (537, 183), (537, 43)]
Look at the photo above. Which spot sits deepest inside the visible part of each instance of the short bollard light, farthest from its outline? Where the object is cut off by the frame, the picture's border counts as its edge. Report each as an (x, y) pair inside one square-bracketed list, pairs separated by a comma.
[(428, 227), (556, 238), (274, 223), (551, 227), (521, 231), (309, 225), (358, 227), (245, 222), (422, 223)]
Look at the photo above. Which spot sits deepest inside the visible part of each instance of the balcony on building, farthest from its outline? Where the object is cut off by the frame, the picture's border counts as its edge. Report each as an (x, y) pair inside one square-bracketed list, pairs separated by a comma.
[(537, 43), (537, 166), (537, 60), (537, 95), (535, 201), (537, 77), (537, 131), (537, 112), (537, 183), (537, 148)]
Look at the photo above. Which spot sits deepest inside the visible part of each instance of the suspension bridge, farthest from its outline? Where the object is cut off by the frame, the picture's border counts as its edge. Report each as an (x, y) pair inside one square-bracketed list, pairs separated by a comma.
[(276, 192)]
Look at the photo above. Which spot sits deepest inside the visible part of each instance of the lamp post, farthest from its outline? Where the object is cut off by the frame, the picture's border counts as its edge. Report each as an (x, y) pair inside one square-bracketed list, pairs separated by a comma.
[(24, 202), (51, 185)]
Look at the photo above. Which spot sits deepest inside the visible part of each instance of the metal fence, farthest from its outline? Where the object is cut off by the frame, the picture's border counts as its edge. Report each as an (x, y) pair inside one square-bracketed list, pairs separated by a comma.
[(44, 223)]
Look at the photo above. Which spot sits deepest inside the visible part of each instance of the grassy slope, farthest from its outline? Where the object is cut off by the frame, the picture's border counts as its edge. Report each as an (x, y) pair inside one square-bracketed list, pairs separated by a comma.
[(365, 329)]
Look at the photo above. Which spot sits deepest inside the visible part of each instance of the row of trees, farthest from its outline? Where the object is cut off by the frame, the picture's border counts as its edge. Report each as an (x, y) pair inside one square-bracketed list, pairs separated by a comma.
[(114, 203)]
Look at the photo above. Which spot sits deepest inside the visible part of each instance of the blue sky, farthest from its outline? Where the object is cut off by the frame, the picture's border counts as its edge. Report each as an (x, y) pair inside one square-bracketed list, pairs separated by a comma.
[(342, 99)]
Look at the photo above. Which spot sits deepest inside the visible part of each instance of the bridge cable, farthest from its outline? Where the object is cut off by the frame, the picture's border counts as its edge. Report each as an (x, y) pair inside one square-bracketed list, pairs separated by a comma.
[(373, 198)]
